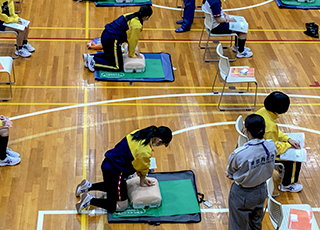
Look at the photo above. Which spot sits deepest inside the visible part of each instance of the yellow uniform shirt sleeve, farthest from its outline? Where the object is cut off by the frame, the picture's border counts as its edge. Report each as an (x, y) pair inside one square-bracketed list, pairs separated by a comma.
[(1, 123), (283, 137), (141, 154), (141, 163), (282, 146), (133, 35), (13, 16)]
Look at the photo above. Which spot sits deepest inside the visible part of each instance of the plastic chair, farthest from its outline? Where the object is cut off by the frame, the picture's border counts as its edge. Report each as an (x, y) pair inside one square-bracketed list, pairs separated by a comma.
[(242, 139), (208, 27), (225, 72), (6, 67), (279, 213), (14, 44)]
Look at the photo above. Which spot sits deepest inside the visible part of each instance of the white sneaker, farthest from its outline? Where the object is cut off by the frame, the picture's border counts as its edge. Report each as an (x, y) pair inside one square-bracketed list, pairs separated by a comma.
[(22, 52), (245, 54), (83, 187), (235, 49), (12, 153), (85, 59), (10, 161), (290, 188), (29, 47), (84, 202), (91, 63)]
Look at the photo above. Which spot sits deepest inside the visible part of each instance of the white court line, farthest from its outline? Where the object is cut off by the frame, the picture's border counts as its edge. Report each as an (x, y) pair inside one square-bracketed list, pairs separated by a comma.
[(146, 97), (68, 212), (235, 9), (212, 210)]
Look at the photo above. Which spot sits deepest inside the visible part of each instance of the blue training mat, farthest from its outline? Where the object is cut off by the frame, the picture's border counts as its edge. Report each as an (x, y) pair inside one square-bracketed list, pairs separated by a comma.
[(113, 3), (166, 67)]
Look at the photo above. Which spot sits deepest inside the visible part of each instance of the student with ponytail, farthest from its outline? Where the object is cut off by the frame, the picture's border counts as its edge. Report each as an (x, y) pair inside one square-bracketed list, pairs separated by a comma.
[(126, 28), (250, 166), (131, 155)]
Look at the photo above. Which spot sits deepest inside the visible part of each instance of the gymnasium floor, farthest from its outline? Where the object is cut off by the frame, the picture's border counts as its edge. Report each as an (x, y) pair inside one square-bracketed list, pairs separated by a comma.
[(64, 120)]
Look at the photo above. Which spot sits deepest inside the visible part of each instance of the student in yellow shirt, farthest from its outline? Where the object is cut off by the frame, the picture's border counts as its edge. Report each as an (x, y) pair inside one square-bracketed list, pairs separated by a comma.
[(275, 104), (8, 15), (126, 28), (132, 154)]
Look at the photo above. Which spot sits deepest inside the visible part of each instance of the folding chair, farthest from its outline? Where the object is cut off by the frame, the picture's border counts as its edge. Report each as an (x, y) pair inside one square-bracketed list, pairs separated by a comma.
[(6, 65), (14, 44), (225, 72), (242, 139), (207, 26), (279, 213)]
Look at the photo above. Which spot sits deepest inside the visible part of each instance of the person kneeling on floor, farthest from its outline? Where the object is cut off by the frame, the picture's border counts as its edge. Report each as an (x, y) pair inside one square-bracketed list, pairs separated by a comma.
[(131, 155), (126, 28)]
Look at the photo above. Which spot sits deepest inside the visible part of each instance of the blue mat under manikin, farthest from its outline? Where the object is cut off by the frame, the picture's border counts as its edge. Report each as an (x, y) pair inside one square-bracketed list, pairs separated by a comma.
[(158, 69), (114, 3), (293, 4)]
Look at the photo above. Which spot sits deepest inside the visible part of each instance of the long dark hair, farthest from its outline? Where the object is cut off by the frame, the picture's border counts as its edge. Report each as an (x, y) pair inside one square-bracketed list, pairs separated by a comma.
[(145, 11), (256, 125), (163, 132)]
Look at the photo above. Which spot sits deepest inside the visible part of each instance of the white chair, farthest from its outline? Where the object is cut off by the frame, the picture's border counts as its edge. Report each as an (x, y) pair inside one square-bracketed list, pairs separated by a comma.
[(225, 72), (279, 213), (6, 67), (14, 43), (242, 139), (208, 27)]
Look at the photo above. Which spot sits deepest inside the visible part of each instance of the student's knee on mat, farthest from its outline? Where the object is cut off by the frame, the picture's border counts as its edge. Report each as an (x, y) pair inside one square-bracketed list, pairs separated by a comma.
[(122, 205)]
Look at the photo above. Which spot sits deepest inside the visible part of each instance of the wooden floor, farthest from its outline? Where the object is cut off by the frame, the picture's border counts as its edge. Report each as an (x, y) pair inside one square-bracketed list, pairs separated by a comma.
[(62, 139)]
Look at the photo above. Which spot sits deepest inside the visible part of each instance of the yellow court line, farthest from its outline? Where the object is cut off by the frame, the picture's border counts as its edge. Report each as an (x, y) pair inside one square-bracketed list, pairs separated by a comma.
[(87, 20), (172, 41), (156, 29), (84, 150)]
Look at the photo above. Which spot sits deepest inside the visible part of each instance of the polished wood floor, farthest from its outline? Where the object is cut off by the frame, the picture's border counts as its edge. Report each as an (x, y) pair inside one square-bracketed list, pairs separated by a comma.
[(62, 139)]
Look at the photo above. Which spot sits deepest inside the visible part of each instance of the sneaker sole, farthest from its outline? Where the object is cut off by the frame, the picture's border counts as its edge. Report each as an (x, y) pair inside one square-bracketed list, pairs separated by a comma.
[(78, 205), (10, 164), (244, 57), (77, 193)]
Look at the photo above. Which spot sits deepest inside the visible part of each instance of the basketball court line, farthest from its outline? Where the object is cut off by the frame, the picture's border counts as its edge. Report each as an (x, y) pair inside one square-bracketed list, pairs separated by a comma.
[(212, 210)]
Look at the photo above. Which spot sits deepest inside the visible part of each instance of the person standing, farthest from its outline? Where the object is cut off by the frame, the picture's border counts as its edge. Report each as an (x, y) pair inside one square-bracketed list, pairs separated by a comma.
[(277, 103), (132, 154), (188, 16), (250, 166)]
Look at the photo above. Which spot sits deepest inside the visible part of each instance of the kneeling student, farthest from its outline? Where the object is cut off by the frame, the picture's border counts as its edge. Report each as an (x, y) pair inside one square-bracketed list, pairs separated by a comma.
[(126, 28)]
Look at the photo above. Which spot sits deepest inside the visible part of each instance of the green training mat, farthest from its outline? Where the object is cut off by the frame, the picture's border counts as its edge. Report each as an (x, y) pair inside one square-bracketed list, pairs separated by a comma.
[(178, 198)]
